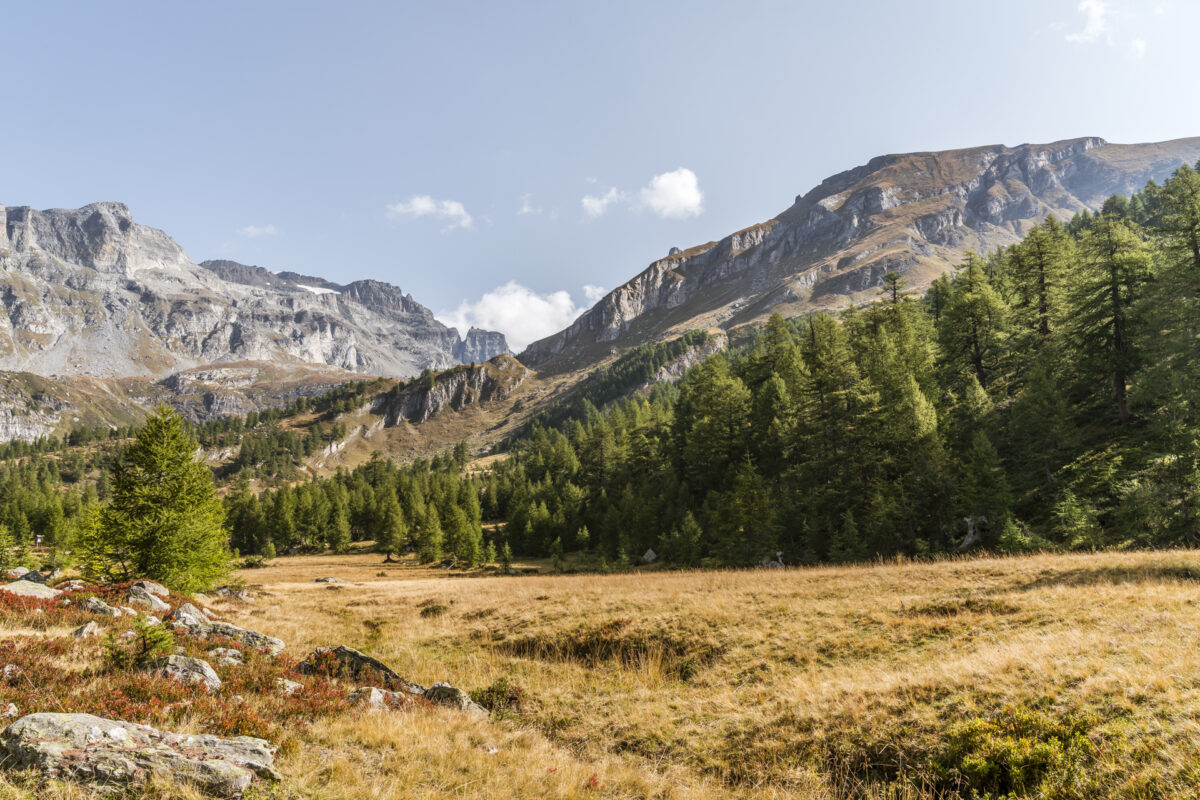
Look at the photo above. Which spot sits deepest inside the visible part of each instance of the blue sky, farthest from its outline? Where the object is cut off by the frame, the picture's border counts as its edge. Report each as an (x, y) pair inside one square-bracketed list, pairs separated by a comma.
[(506, 161)]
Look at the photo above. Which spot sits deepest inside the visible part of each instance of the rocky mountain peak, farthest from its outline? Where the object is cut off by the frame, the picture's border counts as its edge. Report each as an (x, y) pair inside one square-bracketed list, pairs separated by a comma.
[(913, 213), (89, 291)]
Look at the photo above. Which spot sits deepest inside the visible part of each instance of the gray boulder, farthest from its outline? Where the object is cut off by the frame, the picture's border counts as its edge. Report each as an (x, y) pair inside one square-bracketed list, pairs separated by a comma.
[(226, 656), (107, 754), (287, 687), (233, 593), (16, 573), (252, 639), (143, 598), (94, 605), (190, 671), (25, 588), (71, 585), (187, 617), (153, 587), (381, 699), (88, 630), (443, 694), (346, 662), (327, 580)]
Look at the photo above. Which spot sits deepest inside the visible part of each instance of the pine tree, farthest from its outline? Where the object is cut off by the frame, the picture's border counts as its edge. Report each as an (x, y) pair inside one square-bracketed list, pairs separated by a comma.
[(165, 522), (1115, 266)]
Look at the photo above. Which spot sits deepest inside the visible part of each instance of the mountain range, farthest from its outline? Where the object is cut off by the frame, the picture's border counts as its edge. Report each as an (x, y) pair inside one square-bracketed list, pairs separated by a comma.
[(916, 214), (99, 315), (91, 292)]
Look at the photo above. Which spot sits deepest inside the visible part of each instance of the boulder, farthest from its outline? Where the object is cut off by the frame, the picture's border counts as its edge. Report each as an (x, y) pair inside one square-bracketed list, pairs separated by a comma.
[(253, 639), (346, 662), (232, 593), (186, 617), (144, 598), (107, 754), (33, 576), (88, 630), (25, 588), (226, 656), (154, 588), (16, 573), (288, 687), (327, 580), (11, 672), (190, 671), (71, 585), (443, 694), (94, 605), (10, 711), (381, 699)]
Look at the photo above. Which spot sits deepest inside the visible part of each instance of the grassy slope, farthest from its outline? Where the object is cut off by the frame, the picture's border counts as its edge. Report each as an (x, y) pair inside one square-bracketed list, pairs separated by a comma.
[(813, 683)]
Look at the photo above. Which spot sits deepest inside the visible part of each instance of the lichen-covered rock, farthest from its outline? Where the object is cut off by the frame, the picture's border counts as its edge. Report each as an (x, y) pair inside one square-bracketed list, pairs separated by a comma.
[(226, 656), (153, 587), (94, 605), (346, 662), (253, 639), (186, 617), (233, 593), (87, 631), (142, 597), (26, 588), (443, 694), (108, 754), (328, 579), (381, 699), (190, 671), (287, 687)]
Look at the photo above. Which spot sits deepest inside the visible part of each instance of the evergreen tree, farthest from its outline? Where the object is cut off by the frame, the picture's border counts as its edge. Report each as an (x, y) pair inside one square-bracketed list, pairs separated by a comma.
[(165, 522)]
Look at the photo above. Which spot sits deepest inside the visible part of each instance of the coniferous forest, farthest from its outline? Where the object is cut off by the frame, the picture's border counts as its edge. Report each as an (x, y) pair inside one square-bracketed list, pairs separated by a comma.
[(1040, 397)]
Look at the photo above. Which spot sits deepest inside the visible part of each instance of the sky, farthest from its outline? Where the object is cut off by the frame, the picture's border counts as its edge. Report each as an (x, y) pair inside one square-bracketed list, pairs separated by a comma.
[(508, 163)]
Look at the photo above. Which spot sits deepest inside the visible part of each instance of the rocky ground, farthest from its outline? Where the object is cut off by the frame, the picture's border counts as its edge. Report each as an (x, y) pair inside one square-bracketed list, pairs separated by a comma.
[(97, 679)]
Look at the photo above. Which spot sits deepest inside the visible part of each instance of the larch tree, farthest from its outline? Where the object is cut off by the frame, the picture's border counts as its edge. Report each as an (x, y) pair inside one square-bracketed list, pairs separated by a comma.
[(165, 521)]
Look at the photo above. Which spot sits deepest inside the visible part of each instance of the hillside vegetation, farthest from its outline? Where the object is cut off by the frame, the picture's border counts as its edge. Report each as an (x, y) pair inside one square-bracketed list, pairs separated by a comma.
[(1064, 676)]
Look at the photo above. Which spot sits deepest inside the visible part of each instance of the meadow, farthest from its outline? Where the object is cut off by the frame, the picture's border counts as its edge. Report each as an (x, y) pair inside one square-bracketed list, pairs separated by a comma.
[(1049, 676)]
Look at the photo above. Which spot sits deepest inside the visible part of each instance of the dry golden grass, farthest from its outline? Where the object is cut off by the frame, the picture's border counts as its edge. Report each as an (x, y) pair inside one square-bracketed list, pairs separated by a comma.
[(809, 683)]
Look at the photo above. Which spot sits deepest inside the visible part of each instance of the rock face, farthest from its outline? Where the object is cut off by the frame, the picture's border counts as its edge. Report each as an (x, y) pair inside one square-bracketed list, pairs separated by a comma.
[(456, 389), (90, 292), (915, 214), (107, 754)]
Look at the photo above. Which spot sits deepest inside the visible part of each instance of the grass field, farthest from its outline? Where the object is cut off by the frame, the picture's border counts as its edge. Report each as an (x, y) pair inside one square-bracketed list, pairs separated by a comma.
[(1065, 676)]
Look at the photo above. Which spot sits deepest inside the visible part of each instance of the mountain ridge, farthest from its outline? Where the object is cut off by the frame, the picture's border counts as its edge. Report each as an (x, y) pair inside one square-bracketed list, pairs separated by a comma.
[(913, 213), (89, 291)]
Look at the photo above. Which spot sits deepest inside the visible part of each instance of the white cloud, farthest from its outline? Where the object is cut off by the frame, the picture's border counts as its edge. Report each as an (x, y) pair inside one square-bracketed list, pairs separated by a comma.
[(422, 205), (518, 312), (593, 292), (1139, 47), (1098, 17), (673, 195), (594, 205), (527, 206), (255, 231)]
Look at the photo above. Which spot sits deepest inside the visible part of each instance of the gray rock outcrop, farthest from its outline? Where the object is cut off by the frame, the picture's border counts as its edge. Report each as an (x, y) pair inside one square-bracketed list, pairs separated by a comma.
[(189, 671), (26, 588), (107, 754), (141, 597), (348, 663)]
